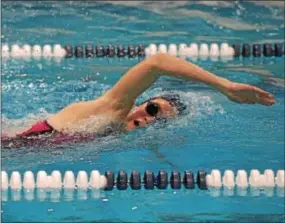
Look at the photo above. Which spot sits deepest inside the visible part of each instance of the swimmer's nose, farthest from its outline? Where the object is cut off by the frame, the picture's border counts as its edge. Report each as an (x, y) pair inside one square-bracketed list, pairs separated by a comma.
[(136, 123)]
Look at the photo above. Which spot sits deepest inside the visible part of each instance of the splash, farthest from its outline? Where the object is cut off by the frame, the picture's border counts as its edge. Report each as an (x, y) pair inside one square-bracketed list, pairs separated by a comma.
[(10, 127)]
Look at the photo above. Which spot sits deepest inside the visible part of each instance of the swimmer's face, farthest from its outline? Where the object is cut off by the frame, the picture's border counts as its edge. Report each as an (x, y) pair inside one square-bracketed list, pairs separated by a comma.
[(148, 112)]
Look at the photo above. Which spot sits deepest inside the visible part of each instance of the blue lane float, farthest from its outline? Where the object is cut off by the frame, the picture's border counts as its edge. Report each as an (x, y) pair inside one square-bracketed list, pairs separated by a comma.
[(79, 52), (256, 50), (122, 180), (89, 51), (100, 51), (135, 180), (188, 180), (175, 180), (201, 180), (149, 180)]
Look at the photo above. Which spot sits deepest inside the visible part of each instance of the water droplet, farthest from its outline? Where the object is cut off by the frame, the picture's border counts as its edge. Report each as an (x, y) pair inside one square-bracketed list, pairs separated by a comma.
[(238, 12), (50, 210), (40, 66)]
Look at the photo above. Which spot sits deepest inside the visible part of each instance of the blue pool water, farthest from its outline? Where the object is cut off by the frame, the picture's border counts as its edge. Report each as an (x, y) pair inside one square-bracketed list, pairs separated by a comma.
[(216, 134)]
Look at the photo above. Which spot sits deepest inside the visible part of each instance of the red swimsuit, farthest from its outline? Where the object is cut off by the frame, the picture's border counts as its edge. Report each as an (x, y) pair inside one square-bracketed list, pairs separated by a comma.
[(41, 134), (29, 137), (39, 128)]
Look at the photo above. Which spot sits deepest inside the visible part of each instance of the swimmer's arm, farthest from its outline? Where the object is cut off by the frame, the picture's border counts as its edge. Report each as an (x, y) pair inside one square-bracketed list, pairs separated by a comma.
[(237, 92), (143, 75)]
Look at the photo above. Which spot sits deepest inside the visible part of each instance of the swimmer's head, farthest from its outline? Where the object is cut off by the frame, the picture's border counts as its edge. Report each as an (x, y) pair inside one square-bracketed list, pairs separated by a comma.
[(162, 107)]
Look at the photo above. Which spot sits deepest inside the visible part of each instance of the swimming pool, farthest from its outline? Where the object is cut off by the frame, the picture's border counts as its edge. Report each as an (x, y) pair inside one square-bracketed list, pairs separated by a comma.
[(216, 134)]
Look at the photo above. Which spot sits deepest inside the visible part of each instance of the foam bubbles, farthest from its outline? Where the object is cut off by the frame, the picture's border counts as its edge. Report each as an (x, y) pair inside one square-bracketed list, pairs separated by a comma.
[(10, 127)]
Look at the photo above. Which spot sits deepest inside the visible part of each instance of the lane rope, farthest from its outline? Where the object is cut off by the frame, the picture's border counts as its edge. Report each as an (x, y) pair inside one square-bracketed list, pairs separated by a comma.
[(149, 180), (54, 188), (193, 51)]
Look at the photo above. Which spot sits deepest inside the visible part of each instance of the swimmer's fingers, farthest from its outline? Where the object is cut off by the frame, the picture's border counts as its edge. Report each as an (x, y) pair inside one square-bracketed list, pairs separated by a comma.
[(263, 101), (261, 93), (266, 101), (263, 97)]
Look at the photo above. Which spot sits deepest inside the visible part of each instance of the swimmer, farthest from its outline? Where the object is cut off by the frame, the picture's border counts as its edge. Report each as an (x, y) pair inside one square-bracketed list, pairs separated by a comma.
[(117, 104)]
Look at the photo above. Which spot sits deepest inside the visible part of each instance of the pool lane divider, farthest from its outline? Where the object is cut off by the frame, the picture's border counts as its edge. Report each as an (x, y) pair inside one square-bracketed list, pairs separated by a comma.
[(149, 181), (203, 51), (55, 189)]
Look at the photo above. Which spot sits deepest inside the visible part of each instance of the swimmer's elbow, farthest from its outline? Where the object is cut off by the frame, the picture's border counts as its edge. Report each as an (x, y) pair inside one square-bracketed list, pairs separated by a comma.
[(158, 59), (155, 63), (162, 63)]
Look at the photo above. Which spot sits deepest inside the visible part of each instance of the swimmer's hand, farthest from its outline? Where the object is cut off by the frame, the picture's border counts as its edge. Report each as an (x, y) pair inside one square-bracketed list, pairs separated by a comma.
[(245, 93)]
